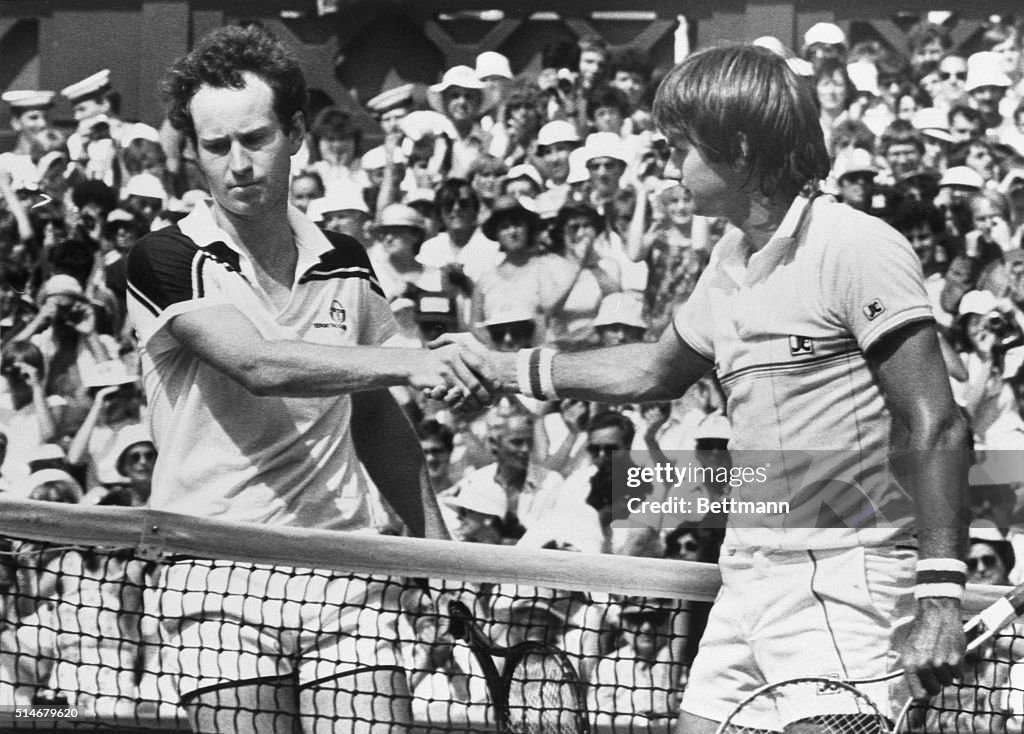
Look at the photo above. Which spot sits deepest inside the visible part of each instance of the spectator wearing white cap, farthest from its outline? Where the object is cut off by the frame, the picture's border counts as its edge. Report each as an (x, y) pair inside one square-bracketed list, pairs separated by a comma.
[(984, 323), (462, 98), (824, 40), (495, 72), (854, 172), (101, 132), (606, 162), (343, 210), (555, 141), (958, 183), (986, 86), (398, 235), (933, 124), (475, 516), (522, 180), (620, 319)]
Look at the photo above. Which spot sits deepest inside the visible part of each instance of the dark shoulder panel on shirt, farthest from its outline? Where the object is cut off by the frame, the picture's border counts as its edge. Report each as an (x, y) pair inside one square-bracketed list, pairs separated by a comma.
[(160, 269), (347, 258)]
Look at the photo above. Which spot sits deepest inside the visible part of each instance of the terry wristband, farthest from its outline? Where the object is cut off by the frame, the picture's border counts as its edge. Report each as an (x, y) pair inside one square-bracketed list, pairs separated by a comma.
[(524, 360), (940, 577), (547, 374)]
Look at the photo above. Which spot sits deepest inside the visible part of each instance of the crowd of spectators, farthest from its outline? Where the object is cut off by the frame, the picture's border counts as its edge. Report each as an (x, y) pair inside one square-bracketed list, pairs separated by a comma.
[(526, 209)]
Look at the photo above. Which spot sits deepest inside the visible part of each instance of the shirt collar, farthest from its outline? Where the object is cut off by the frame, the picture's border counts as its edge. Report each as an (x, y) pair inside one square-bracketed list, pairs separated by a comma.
[(201, 227)]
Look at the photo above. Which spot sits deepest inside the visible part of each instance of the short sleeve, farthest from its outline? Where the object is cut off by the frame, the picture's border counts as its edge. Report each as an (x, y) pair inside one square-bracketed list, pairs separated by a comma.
[(377, 322), (872, 280), (694, 319), (168, 274)]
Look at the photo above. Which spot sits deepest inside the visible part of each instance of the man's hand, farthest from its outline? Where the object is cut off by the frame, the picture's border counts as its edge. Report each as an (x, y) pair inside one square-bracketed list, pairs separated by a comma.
[(935, 647), (465, 349), (456, 373)]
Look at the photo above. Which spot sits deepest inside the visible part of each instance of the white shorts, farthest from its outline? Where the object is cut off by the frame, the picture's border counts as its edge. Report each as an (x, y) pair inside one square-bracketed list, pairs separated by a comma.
[(780, 615), (225, 622)]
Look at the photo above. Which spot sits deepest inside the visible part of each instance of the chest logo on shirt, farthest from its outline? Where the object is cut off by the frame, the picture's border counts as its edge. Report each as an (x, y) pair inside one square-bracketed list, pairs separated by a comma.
[(874, 309), (337, 321), (799, 345)]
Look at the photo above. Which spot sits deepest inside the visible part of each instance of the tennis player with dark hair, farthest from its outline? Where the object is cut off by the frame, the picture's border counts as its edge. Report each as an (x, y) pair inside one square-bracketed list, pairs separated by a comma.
[(260, 337), (816, 320)]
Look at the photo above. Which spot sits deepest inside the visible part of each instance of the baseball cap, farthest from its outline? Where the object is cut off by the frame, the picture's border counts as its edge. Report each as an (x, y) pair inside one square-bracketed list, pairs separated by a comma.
[(827, 33)]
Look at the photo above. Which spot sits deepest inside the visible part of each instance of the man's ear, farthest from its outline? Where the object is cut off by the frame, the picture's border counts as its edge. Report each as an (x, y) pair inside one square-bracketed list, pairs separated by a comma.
[(297, 131)]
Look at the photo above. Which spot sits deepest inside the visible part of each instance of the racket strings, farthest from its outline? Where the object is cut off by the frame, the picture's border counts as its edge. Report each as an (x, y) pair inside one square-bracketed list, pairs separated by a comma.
[(543, 697), (809, 706)]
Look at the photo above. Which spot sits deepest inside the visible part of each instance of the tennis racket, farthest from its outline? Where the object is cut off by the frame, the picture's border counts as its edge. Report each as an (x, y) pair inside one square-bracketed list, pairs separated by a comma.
[(539, 691), (815, 705)]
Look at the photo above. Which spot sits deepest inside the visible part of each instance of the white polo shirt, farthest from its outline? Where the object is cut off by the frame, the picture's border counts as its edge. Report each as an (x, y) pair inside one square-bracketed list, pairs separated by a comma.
[(222, 450), (787, 328)]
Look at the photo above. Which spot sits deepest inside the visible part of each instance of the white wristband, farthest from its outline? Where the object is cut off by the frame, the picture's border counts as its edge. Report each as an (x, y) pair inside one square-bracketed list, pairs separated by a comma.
[(547, 374), (523, 372)]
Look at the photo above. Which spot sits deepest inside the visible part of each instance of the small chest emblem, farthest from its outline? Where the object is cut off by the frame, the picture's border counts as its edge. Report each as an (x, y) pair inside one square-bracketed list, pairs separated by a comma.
[(799, 345), (874, 309), (338, 318)]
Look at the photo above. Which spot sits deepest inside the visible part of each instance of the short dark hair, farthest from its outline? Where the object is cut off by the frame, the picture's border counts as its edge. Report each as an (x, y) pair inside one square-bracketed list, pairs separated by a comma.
[(613, 419), (431, 428), (913, 214), (900, 132), (449, 190), (220, 60), (333, 123), (606, 96), (567, 212), (721, 98), (631, 60)]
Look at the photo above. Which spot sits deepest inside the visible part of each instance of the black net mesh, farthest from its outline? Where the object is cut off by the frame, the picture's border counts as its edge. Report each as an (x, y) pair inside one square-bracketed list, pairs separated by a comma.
[(172, 642)]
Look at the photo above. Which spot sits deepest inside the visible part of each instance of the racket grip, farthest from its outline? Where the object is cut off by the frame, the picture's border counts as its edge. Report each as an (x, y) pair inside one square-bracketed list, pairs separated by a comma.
[(460, 620)]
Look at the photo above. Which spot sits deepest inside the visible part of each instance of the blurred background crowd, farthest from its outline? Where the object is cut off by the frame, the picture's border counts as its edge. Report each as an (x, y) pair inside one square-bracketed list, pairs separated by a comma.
[(527, 209)]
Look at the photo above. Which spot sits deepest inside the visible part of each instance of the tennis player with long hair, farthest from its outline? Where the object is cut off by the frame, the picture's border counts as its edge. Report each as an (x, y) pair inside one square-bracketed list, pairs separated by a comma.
[(261, 344), (816, 320)]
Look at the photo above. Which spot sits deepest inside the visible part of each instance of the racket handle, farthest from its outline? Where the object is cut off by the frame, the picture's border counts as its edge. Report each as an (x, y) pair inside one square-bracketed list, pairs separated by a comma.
[(461, 620)]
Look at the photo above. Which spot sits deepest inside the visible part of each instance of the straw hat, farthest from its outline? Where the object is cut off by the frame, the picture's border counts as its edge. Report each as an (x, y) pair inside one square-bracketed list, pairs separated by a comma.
[(400, 215)]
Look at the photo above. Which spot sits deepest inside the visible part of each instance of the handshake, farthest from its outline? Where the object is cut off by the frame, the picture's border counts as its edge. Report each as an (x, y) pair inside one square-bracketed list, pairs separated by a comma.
[(463, 373)]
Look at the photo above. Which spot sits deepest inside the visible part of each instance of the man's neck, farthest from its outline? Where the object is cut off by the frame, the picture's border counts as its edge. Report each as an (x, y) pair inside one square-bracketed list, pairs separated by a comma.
[(271, 246), (762, 218), (460, 237)]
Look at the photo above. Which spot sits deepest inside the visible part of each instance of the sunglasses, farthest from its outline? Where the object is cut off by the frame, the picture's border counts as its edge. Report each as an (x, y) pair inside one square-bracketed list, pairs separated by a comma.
[(139, 455), (689, 545), (986, 562), (599, 449), (516, 331), (465, 203), (960, 75)]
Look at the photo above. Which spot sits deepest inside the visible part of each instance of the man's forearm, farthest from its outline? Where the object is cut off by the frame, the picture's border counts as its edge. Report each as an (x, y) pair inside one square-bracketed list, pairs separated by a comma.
[(933, 469), (387, 447)]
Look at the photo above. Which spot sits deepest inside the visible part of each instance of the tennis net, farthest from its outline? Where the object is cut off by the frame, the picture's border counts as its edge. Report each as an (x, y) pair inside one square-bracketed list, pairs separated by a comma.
[(109, 617)]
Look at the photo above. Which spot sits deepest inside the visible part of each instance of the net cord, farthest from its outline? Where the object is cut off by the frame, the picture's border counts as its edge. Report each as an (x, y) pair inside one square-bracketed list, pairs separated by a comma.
[(155, 534)]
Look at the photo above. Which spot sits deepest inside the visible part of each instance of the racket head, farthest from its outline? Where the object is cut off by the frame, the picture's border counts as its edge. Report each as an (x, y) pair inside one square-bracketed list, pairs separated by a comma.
[(811, 705), (542, 692)]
